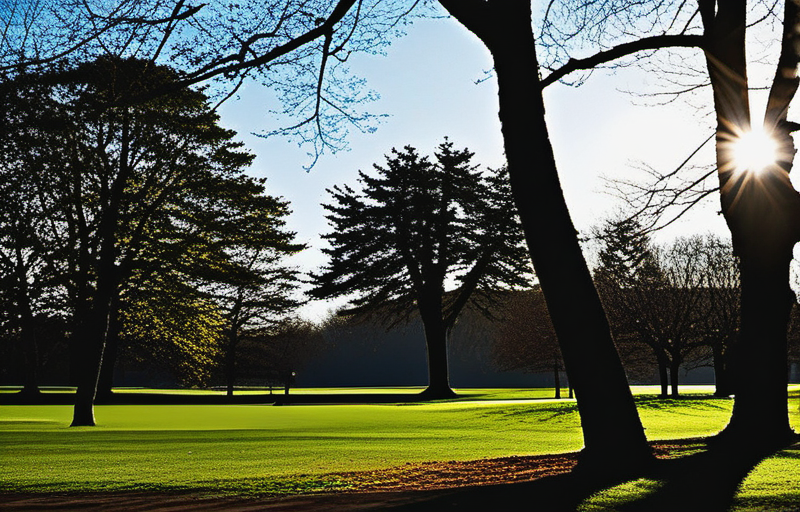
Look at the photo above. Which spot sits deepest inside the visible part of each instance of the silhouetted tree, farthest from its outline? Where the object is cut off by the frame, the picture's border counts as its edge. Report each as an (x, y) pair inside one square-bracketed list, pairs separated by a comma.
[(415, 227), (627, 277), (719, 318), (257, 299), (523, 338), (148, 189), (275, 354)]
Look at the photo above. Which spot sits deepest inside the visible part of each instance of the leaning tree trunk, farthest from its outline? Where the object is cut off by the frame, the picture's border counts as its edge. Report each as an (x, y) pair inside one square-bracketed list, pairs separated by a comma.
[(591, 360), (763, 213)]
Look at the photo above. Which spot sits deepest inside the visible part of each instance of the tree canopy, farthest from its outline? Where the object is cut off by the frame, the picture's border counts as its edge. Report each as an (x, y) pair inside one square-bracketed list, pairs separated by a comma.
[(423, 237)]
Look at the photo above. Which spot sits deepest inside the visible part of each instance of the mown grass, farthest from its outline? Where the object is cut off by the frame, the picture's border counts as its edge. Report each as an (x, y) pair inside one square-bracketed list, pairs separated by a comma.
[(256, 449)]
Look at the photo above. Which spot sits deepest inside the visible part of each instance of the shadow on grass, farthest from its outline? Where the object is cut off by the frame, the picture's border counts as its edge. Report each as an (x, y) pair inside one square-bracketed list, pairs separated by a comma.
[(705, 481)]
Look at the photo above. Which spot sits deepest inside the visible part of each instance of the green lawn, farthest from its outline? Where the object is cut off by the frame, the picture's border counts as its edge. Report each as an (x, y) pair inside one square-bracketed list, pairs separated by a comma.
[(264, 449)]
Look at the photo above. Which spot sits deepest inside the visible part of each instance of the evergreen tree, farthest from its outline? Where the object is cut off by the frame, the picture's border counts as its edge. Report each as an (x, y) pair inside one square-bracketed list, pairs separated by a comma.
[(423, 237)]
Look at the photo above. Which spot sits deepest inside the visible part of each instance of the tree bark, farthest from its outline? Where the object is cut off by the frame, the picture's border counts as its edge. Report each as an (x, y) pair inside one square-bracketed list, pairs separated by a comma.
[(230, 361), (95, 327), (722, 382), (592, 363), (436, 337), (110, 354), (663, 377), (557, 379), (763, 214), (674, 375)]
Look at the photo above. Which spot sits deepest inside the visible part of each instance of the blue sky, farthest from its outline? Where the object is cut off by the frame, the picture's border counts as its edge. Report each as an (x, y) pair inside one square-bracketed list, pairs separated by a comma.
[(427, 83)]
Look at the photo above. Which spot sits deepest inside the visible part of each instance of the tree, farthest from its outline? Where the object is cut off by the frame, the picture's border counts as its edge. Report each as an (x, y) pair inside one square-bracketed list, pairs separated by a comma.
[(628, 276), (146, 188), (256, 300), (674, 298), (274, 354), (414, 227), (524, 338), (762, 210), (586, 345), (719, 319)]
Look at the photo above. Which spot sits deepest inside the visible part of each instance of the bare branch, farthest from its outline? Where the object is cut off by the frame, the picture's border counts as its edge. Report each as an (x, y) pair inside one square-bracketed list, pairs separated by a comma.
[(624, 50)]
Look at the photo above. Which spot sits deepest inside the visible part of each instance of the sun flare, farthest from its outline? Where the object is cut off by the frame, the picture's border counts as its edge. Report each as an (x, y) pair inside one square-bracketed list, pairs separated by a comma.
[(754, 151)]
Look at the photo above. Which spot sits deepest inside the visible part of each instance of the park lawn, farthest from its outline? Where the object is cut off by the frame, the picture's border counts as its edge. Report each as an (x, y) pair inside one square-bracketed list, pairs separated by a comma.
[(256, 449)]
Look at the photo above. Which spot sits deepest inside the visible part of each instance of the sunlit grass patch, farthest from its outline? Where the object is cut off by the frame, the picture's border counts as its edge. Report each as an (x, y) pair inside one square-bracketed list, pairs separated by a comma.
[(620, 495)]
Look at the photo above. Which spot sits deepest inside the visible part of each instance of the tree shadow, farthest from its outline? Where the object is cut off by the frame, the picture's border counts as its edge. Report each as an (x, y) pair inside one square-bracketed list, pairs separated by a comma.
[(707, 481)]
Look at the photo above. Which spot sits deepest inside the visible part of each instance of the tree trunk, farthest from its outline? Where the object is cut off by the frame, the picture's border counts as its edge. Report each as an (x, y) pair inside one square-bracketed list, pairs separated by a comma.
[(28, 337), (663, 377), (557, 379), (763, 213), (106, 381), (230, 362), (674, 375), (722, 380), (592, 363), (91, 345), (108, 280), (436, 335)]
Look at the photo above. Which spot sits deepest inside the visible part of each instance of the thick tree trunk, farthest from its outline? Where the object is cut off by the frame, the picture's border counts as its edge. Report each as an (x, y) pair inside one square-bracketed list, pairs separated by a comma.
[(763, 213), (436, 335), (592, 363), (95, 328), (92, 346)]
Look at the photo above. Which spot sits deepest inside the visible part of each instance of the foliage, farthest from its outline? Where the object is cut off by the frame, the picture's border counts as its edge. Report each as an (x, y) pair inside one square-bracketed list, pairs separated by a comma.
[(523, 338), (140, 203), (417, 226)]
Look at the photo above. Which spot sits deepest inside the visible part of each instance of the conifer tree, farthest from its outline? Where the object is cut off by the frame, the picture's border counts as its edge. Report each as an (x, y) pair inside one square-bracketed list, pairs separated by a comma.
[(423, 237)]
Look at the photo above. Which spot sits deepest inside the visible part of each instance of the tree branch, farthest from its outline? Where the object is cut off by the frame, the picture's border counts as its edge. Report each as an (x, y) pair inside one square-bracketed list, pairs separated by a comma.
[(623, 50)]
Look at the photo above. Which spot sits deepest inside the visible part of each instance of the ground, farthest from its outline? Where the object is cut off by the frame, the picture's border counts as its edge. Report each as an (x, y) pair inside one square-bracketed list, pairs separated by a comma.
[(409, 486)]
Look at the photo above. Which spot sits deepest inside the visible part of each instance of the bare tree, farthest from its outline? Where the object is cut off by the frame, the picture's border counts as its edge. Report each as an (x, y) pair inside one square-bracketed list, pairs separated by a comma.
[(523, 338)]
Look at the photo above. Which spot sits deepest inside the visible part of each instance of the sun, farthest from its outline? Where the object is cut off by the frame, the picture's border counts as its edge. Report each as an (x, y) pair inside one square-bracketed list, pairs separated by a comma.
[(754, 151)]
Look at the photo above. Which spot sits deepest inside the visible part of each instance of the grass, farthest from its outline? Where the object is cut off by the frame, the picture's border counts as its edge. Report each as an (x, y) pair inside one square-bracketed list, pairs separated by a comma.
[(255, 449)]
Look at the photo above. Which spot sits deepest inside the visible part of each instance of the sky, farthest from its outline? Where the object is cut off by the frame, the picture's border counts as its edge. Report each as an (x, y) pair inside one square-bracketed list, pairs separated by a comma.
[(431, 85)]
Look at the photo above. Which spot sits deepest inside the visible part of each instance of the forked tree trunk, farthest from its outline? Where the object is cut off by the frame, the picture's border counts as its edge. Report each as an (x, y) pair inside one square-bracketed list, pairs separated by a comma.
[(613, 434), (763, 213), (94, 328)]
